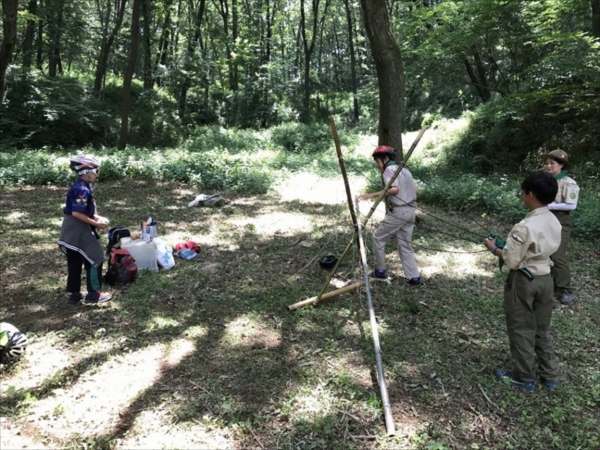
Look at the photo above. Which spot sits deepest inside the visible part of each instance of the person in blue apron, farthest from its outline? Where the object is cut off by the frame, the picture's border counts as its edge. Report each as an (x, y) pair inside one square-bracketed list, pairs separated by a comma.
[(79, 238), (529, 289)]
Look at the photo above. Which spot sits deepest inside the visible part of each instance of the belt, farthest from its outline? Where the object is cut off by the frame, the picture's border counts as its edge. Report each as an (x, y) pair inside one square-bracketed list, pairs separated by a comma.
[(525, 272), (560, 213)]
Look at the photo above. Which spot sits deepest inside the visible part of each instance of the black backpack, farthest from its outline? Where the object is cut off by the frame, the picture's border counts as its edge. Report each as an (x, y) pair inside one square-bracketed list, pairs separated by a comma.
[(121, 267), (115, 234)]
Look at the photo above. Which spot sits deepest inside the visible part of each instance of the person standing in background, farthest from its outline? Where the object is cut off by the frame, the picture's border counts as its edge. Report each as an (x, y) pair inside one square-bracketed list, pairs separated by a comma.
[(556, 163)]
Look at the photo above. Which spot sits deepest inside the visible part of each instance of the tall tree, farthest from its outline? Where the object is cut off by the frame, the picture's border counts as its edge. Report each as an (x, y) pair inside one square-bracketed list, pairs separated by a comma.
[(163, 42), (147, 43), (309, 47), (193, 41), (107, 38), (9, 39), (39, 58), (596, 18), (126, 93), (390, 76), (29, 34), (54, 16), (356, 111)]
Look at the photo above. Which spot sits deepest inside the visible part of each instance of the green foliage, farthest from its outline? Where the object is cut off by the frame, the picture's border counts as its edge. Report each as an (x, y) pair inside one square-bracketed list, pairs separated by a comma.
[(510, 134), (498, 196), (312, 139), (214, 170)]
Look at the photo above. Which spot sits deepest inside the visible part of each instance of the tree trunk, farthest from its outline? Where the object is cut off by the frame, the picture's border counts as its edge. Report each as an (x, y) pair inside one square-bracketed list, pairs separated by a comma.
[(107, 42), (163, 43), (308, 50), (269, 17), (234, 36), (39, 57), (9, 28), (148, 79), (388, 64), (126, 93), (55, 29), (356, 111), (29, 35), (192, 42), (596, 18)]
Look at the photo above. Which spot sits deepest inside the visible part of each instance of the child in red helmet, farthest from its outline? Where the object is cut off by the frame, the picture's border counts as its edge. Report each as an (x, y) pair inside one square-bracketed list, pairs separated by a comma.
[(399, 218), (78, 236)]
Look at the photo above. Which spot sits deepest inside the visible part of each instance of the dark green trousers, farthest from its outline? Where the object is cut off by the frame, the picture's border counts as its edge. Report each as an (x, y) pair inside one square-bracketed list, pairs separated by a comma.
[(560, 271), (528, 310)]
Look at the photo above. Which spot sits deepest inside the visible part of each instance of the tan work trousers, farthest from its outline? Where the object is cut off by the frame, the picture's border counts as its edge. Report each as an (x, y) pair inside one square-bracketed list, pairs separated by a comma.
[(401, 224), (560, 271), (528, 311)]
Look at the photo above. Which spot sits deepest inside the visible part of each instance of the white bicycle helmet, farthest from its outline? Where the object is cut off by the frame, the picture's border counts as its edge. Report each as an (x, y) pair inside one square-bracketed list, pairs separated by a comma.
[(12, 343), (83, 164)]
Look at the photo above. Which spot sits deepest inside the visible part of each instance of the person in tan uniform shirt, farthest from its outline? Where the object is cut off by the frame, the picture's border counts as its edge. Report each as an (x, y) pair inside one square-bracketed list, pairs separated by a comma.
[(529, 290), (399, 218), (556, 163)]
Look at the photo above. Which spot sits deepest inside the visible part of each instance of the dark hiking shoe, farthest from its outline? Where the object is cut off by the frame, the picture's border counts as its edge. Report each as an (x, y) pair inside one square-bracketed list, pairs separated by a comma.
[(75, 298), (513, 380), (551, 385), (566, 298), (415, 281), (379, 275), (97, 298)]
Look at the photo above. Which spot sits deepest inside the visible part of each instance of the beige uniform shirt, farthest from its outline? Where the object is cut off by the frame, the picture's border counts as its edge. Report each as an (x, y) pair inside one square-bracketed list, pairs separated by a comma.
[(531, 242), (568, 191), (407, 189)]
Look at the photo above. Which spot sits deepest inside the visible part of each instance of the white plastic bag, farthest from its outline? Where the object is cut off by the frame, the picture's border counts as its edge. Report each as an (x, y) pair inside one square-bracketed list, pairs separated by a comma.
[(164, 254)]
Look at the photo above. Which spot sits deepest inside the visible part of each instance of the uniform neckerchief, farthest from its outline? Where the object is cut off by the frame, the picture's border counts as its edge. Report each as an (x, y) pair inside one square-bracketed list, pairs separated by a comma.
[(561, 175)]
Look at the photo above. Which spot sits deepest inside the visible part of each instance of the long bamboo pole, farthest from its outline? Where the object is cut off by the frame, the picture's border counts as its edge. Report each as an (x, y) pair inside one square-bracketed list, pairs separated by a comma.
[(387, 409), (328, 295), (338, 150), (372, 211)]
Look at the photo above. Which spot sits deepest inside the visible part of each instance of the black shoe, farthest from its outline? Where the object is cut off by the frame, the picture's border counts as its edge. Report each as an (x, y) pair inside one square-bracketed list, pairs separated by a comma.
[(415, 281), (75, 298), (378, 275)]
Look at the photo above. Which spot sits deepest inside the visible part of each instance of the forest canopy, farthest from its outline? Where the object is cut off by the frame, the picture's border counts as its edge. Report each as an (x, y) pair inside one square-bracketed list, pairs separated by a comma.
[(73, 72)]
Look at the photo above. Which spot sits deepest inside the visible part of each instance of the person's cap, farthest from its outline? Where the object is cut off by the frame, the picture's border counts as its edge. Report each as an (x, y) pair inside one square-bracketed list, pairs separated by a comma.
[(559, 155)]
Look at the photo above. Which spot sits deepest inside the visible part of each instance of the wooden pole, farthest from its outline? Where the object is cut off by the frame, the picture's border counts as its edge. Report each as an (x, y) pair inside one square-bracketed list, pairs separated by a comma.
[(313, 300), (338, 149), (387, 409), (372, 211)]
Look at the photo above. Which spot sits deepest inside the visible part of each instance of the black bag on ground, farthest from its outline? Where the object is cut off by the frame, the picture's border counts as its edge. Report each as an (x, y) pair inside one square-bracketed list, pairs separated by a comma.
[(121, 267), (115, 234)]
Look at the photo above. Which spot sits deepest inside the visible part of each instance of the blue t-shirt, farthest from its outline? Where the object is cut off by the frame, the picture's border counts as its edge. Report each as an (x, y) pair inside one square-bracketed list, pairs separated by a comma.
[(80, 199)]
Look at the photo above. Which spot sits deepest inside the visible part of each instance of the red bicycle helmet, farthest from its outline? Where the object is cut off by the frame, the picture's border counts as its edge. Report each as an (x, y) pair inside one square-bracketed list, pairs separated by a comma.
[(384, 150)]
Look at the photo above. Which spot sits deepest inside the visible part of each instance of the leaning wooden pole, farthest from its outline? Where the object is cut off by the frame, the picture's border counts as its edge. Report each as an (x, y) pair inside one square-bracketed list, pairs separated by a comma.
[(338, 150), (387, 409), (401, 165)]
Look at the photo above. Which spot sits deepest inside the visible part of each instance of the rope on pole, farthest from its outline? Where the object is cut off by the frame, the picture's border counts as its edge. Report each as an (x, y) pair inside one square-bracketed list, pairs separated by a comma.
[(387, 410)]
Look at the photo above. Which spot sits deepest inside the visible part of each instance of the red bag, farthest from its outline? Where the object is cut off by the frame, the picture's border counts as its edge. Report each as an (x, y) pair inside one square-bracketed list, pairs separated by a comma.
[(121, 267), (187, 244)]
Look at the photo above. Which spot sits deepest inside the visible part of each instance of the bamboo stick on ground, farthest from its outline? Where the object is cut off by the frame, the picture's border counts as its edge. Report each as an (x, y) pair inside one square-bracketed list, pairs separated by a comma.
[(328, 295)]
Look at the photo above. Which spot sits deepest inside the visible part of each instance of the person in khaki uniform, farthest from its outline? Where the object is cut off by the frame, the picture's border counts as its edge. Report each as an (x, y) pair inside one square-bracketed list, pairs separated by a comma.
[(529, 291), (399, 218), (556, 163)]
